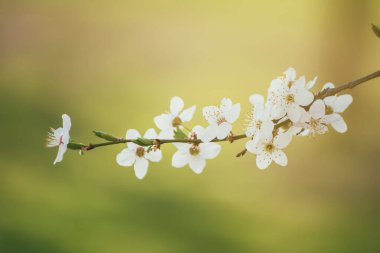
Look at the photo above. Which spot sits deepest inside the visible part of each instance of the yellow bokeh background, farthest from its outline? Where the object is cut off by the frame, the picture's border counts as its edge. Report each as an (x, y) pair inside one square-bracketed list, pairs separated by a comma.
[(114, 65)]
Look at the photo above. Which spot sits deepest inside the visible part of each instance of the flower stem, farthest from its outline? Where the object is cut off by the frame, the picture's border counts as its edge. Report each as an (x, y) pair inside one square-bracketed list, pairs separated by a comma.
[(321, 95)]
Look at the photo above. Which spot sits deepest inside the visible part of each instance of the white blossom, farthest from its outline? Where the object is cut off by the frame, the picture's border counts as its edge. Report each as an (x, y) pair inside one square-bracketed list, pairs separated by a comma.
[(334, 106), (138, 155), (317, 121), (60, 137), (270, 149), (287, 95), (168, 122), (260, 125), (220, 119), (196, 154)]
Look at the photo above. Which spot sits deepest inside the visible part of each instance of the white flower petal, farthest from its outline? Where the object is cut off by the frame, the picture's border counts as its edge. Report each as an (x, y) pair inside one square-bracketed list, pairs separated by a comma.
[(304, 98), (180, 159), (299, 84), (66, 123), (225, 105), (305, 117), (290, 74), (255, 141), (253, 147), (176, 105), (210, 133), (311, 83), (164, 121), (150, 134), (126, 157), (166, 134), (256, 99), (184, 147), (61, 151), (278, 111), (317, 109), (66, 138), (340, 126), (293, 130), (294, 112), (223, 130), (280, 157), (267, 129), (58, 132), (281, 141), (233, 114), (197, 164), (211, 113), (132, 134), (209, 150), (263, 160), (336, 121), (342, 102), (154, 155), (199, 130), (251, 130), (330, 118), (277, 86), (187, 114), (330, 101), (141, 167)]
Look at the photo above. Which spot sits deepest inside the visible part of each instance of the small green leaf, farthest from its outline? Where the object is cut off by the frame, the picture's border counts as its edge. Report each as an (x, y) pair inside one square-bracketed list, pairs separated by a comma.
[(143, 142), (179, 134), (376, 30), (106, 136)]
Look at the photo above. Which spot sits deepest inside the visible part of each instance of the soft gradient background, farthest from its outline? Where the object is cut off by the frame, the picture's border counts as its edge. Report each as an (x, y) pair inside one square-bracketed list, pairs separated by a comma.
[(114, 65)]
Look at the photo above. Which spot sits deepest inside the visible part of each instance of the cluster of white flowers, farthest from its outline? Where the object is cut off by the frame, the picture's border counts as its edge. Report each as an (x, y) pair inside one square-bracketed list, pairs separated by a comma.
[(290, 109), (197, 150), (296, 111)]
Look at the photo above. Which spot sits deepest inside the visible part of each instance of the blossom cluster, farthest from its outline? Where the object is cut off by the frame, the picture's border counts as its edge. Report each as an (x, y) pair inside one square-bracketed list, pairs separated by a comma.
[(291, 109)]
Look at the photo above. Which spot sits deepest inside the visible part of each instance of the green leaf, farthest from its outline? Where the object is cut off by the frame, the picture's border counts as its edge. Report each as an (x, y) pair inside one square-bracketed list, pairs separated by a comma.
[(179, 134), (106, 136), (376, 30)]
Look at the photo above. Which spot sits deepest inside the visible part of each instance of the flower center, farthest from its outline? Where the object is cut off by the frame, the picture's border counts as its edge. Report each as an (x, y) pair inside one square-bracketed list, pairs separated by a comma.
[(194, 150), (140, 151), (220, 120), (176, 121), (329, 110), (314, 123), (60, 140), (269, 147), (289, 98)]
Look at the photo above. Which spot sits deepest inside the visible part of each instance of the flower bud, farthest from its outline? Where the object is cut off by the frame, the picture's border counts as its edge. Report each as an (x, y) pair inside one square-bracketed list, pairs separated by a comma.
[(75, 146), (143, 142), (106, 136)]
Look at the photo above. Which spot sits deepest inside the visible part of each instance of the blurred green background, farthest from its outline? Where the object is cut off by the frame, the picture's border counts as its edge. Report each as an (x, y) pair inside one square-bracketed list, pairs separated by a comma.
[(114, 65)]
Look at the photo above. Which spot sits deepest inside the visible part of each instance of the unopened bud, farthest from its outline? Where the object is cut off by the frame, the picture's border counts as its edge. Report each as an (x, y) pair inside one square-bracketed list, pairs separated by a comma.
[(75, 146), (143, 142), (106, 136)]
